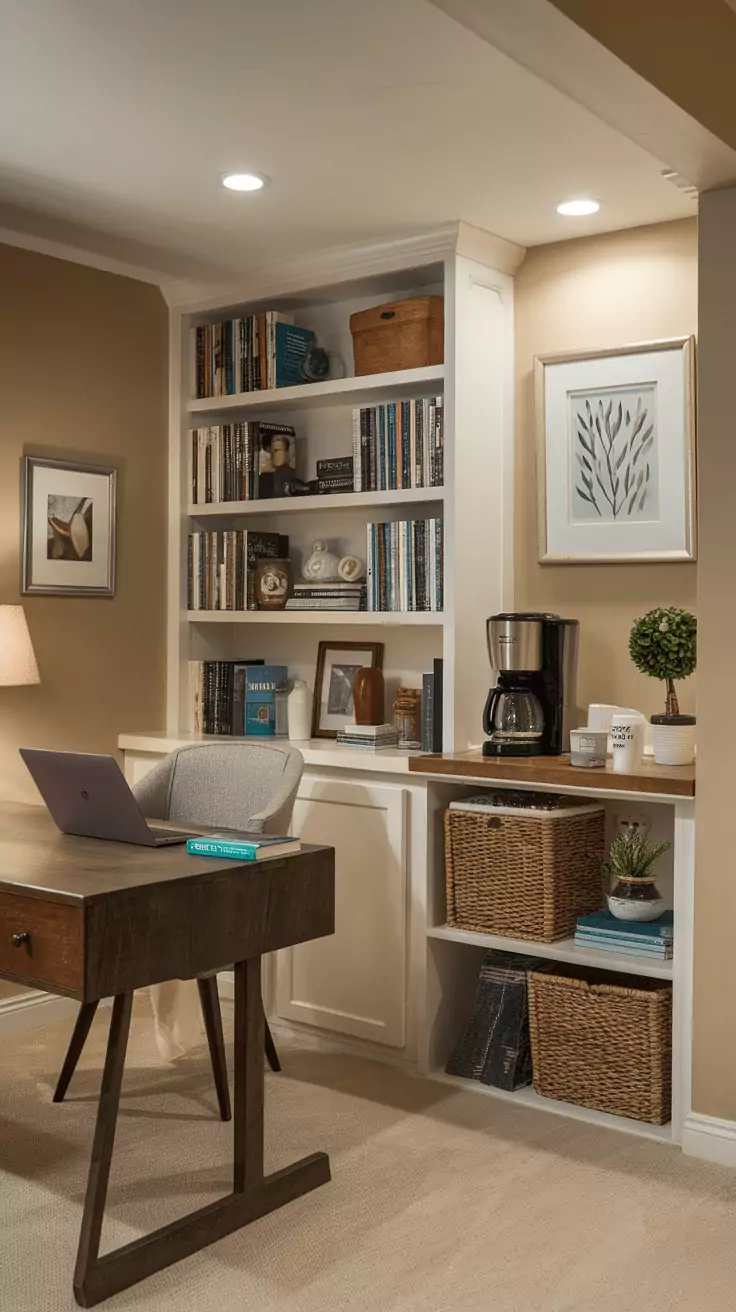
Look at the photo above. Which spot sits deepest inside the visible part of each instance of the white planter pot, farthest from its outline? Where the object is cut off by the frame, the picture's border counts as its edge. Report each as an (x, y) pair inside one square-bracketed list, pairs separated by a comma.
[(673, 739)]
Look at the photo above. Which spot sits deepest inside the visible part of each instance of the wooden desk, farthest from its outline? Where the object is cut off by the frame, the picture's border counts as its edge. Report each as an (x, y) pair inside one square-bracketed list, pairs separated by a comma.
[(90, 919)]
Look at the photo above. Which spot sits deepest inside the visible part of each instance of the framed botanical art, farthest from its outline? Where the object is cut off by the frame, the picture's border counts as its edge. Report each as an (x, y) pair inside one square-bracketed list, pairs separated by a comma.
[(616, 454), (338, 664), (69, 515)]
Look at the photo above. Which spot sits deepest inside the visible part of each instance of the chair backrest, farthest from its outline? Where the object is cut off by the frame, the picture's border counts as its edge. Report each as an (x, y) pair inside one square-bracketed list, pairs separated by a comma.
[(248, 786)]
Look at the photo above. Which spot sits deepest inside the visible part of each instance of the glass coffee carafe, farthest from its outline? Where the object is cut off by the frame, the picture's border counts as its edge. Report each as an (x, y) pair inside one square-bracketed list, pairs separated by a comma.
[(513, 718)]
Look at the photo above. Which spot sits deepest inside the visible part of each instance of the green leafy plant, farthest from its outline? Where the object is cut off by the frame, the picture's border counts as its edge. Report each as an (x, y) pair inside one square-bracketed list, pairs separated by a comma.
[(663, 644), (632, 857)]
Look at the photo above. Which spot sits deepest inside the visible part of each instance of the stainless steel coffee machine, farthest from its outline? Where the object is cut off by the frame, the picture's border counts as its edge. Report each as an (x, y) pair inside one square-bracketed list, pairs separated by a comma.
[(535, 657)]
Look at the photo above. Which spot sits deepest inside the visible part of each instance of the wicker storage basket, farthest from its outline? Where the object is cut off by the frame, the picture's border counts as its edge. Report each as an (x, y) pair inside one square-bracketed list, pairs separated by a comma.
[(523, 873), (602, 1043), (399, 335)]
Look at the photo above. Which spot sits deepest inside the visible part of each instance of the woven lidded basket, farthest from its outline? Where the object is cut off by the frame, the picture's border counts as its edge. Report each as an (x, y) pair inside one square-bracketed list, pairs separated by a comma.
[(601, 1043), (523, 865), (407, 334)]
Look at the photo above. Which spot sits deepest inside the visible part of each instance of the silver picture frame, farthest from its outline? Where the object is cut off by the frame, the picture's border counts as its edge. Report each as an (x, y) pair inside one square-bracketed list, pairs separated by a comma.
[(34, 547)]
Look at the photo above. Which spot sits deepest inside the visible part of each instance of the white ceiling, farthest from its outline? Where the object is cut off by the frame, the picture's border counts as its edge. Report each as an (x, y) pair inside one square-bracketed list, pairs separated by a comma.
[(372, 117)]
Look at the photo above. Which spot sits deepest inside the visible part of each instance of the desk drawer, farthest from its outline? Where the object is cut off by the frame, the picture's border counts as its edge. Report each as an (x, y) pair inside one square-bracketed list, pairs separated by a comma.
[(53, 952)]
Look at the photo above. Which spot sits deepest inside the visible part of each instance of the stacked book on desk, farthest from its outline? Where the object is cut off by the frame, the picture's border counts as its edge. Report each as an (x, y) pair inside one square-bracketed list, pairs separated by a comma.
[(638, 938), (327, 596), (371, 736)]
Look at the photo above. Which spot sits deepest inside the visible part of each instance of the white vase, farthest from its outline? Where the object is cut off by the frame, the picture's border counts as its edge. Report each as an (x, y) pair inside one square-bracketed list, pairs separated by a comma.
[(673, 739), (299, 711)]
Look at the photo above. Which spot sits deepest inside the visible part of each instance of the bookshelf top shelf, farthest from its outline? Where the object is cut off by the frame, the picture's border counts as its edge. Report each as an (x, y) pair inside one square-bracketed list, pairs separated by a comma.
[(368, 390)]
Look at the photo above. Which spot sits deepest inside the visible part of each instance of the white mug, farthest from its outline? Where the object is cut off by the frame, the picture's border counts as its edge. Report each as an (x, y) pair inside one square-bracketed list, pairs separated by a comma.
[(627, 740)]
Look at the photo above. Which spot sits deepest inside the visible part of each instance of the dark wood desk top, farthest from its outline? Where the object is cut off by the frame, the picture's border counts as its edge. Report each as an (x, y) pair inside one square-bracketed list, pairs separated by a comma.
[(556, 772), (39, 861)]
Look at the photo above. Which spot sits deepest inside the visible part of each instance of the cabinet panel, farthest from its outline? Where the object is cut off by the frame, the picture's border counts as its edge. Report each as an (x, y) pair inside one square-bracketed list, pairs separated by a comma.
[(355, 981), (136, 766)]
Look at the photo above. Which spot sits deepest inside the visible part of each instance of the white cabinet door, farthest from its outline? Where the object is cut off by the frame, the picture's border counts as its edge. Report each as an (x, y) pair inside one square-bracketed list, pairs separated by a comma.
[(137, 765), (355, 981)]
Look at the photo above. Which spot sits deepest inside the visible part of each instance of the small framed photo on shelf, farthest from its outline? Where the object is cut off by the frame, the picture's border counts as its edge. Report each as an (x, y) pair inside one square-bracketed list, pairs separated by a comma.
[(616, 454), (338, 664), (68, 515)]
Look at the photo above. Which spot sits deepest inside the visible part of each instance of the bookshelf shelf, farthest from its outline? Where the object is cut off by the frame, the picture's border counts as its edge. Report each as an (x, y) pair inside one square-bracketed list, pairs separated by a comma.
[(535, 1102), (406, 497), (562, 950), (371, 389), (372, 619)]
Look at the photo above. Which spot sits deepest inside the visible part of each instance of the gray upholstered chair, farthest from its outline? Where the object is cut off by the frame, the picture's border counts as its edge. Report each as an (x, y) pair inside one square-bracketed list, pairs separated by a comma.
[(247, 786)]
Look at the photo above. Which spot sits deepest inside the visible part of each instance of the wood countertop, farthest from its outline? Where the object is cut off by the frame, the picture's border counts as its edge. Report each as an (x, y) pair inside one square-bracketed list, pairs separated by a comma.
[(556, 772)]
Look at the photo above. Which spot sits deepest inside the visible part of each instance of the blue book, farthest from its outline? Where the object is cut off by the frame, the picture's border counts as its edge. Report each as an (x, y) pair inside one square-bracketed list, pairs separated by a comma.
[(406, 444), (391, 425), (265, 700), (242, 849), (603, 922), (290, 347)]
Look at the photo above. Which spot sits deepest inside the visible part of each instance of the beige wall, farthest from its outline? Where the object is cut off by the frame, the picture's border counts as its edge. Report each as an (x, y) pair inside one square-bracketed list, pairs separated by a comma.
[(593, 292), (714, 1054), (83, 374)]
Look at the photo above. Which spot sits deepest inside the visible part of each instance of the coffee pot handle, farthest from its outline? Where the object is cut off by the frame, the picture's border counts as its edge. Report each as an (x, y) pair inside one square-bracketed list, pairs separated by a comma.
[(491, 699)]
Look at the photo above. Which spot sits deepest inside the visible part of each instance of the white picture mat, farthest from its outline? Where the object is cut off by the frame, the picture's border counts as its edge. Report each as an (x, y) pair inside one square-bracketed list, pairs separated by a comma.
[(95, 573), (334, 656), (670, 533)]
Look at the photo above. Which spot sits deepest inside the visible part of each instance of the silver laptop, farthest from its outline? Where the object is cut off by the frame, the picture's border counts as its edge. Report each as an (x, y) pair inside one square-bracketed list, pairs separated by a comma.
[(88, 795)]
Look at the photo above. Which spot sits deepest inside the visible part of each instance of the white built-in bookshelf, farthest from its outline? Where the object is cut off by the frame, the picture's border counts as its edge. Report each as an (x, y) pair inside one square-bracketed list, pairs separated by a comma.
[(472, 270)]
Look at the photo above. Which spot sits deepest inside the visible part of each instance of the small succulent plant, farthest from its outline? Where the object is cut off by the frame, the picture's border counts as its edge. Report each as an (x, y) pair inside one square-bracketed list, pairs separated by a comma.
[(632, 856)]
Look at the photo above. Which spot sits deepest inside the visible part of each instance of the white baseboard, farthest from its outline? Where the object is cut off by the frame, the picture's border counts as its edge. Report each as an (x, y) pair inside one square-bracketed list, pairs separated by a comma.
[(710, 1139), (23, 1010)]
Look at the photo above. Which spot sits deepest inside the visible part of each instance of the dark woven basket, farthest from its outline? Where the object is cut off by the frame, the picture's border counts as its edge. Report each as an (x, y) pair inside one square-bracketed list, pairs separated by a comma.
[(601, 1043), (523, 875)]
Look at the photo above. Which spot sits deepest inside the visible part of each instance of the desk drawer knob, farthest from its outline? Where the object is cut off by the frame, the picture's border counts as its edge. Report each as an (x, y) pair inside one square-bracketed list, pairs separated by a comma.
[(19, 939)]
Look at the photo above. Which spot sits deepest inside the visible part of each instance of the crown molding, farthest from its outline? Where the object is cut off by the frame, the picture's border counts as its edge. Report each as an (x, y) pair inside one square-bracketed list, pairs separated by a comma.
[(305, 274)]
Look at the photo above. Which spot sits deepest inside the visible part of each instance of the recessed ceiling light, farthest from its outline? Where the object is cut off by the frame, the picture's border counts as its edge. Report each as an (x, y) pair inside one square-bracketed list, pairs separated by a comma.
[(578, 208), (244, 181)]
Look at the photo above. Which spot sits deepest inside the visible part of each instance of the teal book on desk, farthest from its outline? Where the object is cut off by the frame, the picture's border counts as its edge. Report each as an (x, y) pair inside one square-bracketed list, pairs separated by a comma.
[(242, 849)]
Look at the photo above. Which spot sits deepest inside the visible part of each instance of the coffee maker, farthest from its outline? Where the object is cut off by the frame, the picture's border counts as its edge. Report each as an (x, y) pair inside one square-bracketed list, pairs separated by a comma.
[(535, 656)]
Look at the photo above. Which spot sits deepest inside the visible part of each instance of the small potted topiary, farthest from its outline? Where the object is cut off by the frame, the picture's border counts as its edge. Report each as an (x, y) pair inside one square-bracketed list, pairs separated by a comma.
[(663, 644), (634, 894)]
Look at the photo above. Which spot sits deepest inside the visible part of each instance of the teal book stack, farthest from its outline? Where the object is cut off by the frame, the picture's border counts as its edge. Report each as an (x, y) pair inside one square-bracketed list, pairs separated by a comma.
[(640, 938)]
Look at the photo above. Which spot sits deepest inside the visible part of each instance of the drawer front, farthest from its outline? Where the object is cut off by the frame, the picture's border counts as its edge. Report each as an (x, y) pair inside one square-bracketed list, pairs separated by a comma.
[(52, 953)]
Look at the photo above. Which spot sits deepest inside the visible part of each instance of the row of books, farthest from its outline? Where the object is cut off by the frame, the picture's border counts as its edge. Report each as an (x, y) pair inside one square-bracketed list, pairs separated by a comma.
[(240, 462), (398, 445), (404, 565), (250, 354), (221, 567), (246, 698), (639, 938)]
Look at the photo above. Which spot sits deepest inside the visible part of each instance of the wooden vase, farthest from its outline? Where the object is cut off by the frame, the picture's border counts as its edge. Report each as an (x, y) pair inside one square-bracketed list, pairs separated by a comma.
[(369, 696)]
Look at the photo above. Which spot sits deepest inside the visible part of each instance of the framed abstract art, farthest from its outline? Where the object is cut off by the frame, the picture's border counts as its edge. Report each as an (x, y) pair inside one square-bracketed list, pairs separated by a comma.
[(616, 454), (68, 513)]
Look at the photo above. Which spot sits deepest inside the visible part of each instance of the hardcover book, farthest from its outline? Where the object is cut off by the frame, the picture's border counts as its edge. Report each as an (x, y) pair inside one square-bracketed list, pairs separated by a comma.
[(265, 700), (291, 344), (242, 849)]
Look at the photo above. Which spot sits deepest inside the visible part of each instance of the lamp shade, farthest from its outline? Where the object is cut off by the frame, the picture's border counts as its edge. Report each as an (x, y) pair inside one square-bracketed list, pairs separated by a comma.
[(17, 657)]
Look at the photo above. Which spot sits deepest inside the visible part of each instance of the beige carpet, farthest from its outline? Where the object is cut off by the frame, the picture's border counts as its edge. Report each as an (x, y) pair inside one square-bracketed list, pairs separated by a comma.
[(440, 1200)]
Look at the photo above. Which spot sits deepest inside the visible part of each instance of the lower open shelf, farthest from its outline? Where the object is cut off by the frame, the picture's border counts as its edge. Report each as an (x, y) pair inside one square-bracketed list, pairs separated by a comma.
[(528, 1098), (563, 950)]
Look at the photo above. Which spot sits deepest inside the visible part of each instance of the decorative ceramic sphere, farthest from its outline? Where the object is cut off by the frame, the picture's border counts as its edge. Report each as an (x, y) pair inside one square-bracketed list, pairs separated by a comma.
[(351, 568), (322, 565)]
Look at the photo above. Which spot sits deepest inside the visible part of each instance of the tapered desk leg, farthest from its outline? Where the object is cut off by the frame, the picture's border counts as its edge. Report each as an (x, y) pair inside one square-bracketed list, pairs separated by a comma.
[(253, 1196), (271, 1053), (82, 1025), (210, 1002), (99, 1169)]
